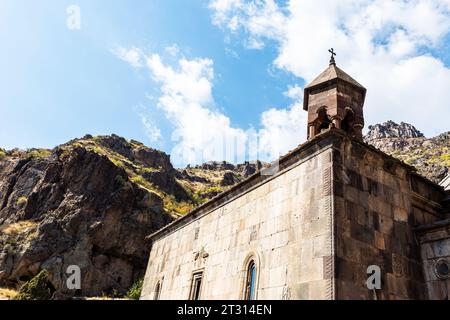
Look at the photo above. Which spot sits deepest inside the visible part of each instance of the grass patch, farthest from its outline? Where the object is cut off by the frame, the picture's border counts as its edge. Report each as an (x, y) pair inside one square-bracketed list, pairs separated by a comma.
[(136, 289), (118, 163), (37, 288), (446, 159), (18, 227), (9, 294), (139, 180), (179, 208), (22, 201), (211, 190), (38, 153)]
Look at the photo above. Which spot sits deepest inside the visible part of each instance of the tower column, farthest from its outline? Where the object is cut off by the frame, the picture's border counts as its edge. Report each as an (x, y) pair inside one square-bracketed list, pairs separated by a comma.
[(337, 122), (312, 131)]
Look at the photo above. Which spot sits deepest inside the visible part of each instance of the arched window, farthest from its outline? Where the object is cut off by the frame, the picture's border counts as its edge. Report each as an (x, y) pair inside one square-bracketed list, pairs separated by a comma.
[(250, 287), (157, 291), (323, 119)]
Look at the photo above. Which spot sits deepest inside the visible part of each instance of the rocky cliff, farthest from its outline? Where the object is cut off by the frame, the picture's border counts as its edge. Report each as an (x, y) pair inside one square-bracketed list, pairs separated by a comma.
[(91, 202), (75, 205), (431, 156)]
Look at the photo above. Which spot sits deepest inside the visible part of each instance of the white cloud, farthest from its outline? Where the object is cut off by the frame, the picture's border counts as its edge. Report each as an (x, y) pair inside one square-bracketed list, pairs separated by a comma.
[(152, 131), (203, 133), (173, 50), (261, 19), (133, 55), (381, 43), (282, 129), (294, 92)]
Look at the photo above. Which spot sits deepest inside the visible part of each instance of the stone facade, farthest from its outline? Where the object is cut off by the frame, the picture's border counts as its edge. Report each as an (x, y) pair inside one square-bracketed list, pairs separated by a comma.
[(284, 223), (378, 203), (334, 207)]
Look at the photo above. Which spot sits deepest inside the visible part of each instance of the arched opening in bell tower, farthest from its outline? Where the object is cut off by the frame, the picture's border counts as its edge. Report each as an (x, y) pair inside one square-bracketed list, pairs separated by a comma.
[(323, 120)]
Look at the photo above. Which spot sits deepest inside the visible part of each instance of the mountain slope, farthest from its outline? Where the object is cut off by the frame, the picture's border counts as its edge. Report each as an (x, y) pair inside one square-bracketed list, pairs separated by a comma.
[(431, 156), (74, 206), (91, 202)]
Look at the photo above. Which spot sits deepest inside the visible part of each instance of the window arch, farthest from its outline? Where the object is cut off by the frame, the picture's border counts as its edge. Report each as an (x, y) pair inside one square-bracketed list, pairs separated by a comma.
[(323, 119), (157, 291), (250, 281)]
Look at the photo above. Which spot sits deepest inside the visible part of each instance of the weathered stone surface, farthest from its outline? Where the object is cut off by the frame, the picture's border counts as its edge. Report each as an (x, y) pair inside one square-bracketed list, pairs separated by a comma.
[(313, 230), (284, 227), (379, 201), (80, 209)]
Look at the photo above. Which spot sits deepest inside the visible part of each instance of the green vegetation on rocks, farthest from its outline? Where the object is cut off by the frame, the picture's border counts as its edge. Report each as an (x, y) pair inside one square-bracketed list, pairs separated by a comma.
[(22, 201), (38, 153), (135, 291), (38, 288), (430, 156)]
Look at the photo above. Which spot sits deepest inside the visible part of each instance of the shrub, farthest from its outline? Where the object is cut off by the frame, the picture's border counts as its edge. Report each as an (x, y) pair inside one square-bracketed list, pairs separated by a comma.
[(38, 153), (117, 162), (142, 182), (22, 201), (446, 159), (134, 292), (2, 153), (98, 150), (195, 197), (38, 288)]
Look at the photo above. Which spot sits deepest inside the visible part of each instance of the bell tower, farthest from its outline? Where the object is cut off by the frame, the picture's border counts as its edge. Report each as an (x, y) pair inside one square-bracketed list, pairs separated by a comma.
[(334, 99)]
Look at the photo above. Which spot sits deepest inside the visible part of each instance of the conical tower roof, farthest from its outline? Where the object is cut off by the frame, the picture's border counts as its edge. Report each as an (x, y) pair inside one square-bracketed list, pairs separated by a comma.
[(332, 73)]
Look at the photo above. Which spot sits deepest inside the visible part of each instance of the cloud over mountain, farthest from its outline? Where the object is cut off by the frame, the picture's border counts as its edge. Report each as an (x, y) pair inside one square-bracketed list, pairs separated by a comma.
[(391, 47)]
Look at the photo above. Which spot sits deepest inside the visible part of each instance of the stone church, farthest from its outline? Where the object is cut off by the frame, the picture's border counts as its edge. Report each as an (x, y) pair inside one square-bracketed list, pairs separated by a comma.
[(335, 207)]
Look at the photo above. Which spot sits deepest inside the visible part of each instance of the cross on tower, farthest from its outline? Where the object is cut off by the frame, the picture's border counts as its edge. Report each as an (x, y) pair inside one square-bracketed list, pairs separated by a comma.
[(332, 61)]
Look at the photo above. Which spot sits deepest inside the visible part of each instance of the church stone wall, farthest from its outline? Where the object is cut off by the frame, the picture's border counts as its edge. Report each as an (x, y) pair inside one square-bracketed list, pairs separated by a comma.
[(285, 224), (336, 207), (435, 249), (378, 203)]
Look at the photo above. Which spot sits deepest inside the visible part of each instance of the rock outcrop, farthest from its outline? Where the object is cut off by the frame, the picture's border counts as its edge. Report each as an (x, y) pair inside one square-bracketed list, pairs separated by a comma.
[(206, 181), (431, 156), (229, 179), (76, 207), (390, 129)]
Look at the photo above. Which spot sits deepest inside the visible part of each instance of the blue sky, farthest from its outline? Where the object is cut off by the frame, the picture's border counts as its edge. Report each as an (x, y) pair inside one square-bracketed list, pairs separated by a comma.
[(253, 57), (61, 84)]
